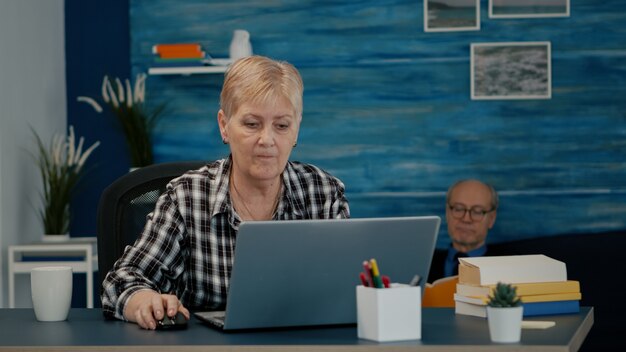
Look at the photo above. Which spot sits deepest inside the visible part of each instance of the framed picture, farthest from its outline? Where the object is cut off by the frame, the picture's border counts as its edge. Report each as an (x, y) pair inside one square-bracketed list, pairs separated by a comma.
[(516, 70), (451, 15), (528, 8)]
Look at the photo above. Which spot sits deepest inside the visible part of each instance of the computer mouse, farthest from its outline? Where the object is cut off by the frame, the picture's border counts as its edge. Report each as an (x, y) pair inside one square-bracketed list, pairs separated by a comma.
[(176, 322)]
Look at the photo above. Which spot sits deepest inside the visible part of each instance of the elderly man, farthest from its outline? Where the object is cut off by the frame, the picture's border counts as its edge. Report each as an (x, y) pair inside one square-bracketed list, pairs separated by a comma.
[(471, 209)]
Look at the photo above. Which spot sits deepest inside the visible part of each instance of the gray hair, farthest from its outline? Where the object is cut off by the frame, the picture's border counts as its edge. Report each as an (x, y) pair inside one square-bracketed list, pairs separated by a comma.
[(495, 201)]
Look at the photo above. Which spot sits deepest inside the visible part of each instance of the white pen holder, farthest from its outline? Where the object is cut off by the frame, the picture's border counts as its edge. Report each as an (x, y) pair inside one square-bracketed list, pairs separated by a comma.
[(389, 314)]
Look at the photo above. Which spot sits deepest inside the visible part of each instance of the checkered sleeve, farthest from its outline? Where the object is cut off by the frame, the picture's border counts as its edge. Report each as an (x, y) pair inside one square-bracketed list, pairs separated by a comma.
[(154, 262)]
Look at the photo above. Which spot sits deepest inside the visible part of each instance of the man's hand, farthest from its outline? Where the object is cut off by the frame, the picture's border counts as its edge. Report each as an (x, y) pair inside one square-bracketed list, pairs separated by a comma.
[(146, 307)]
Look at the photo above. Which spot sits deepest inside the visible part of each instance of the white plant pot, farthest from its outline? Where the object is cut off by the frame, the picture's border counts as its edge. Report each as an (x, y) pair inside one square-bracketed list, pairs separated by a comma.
[(505, 324)]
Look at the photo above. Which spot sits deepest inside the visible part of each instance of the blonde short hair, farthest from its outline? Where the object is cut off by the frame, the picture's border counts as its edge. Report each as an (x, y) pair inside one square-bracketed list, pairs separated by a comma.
[(259, 79)]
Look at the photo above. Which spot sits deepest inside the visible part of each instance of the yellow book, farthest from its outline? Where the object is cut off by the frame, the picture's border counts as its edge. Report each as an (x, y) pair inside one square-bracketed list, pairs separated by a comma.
[(571, 296), (534, 288)]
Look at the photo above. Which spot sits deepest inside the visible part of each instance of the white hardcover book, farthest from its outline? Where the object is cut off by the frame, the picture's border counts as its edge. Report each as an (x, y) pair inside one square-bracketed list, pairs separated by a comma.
[(473, 291), (464, 308), (511, 269), (479, 301)]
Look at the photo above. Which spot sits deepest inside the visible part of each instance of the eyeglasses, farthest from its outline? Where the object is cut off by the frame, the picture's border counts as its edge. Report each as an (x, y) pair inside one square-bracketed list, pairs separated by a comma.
[(476, 213)]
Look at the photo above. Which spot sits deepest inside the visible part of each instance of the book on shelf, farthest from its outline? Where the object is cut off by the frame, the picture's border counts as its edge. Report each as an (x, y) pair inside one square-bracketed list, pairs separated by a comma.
[(482, 300), (180, 62), (525, 289), (511, 269), (183, 55), (530, 309), (177, 59), (176, 47), (179, 51)]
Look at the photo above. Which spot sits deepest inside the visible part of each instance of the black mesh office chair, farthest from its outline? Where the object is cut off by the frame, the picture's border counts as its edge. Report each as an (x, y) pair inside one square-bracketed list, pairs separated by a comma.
[(125, 203)]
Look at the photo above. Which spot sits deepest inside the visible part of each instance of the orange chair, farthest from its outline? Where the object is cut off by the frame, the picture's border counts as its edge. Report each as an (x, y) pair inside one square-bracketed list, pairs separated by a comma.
[(440, 293)]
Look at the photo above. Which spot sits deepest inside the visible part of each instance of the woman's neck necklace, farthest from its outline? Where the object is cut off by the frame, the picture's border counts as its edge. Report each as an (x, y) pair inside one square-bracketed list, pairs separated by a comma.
[(250, 214)]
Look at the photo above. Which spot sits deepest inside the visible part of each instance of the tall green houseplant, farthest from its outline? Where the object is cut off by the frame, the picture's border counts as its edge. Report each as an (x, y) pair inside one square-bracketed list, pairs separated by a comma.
[(61, 165), (127, 101)]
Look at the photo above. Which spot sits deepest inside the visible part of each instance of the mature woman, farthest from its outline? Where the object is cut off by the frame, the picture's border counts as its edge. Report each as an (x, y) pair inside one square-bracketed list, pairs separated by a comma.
[(184, 256)]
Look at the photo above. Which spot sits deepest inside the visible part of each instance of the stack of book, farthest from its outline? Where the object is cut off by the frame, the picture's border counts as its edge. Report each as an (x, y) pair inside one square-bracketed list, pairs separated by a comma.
[(178, 55), (541, 283)]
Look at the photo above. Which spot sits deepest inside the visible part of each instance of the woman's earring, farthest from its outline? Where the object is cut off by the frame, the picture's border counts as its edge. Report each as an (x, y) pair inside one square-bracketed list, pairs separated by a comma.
[(224, 141), (295, 144)]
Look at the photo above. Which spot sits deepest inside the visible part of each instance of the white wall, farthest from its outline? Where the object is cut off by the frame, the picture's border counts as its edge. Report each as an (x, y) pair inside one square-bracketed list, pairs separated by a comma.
[(32, 92)]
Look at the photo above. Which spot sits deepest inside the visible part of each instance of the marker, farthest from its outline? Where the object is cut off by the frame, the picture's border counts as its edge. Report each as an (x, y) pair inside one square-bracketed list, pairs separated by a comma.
[(363, 278), (386, 281), (415, 281), (368, 272), (378, 283)]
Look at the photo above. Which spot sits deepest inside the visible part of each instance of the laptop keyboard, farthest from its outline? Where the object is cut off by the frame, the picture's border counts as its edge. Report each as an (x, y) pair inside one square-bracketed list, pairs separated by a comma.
[(218, 321), (219, 318), (214, 318)]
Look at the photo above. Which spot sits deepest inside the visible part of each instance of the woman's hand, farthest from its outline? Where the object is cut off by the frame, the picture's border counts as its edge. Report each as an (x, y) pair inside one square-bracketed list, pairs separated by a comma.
[(146, 307)]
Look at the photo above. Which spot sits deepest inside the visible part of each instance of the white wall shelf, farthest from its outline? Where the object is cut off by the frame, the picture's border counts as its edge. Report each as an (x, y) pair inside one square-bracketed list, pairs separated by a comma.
[(186, 70)]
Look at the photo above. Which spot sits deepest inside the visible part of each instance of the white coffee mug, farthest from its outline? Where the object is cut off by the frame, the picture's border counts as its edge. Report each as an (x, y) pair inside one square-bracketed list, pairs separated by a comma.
[(51, 290)]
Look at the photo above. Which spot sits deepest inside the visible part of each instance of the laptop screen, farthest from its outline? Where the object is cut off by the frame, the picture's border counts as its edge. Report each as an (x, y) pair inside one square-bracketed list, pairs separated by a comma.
[(305, 272)]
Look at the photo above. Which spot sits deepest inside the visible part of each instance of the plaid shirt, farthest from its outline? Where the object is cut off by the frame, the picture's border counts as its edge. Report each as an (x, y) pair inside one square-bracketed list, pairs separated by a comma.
[(188, 242)]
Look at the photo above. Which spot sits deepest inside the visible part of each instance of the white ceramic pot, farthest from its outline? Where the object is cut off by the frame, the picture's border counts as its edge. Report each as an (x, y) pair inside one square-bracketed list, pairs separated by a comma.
[(505, 324), (55, 237)]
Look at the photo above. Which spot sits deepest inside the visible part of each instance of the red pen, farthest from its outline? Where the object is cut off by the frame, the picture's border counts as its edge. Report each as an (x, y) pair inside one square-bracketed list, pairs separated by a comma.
[(368, 272), (363, 279), (386, 281)]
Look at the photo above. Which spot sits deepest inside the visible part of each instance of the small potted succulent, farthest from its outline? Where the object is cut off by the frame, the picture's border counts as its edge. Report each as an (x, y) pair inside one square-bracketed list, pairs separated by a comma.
[(504, 314)]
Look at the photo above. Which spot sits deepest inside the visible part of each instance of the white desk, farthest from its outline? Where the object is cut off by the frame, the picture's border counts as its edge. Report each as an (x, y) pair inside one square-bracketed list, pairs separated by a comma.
[(81, 250)]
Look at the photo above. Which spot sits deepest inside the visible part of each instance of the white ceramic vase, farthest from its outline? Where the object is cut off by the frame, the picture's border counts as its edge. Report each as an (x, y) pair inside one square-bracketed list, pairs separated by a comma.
[(55, 237), (240, 45), (505, 324)]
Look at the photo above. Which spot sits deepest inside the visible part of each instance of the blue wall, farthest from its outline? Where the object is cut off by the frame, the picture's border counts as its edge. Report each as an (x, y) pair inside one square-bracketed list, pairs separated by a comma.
[(97, 42), (388, 108)]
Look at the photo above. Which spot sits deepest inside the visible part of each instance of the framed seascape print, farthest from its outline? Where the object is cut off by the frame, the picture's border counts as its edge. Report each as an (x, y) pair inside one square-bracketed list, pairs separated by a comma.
[(451, 15), (515, 70), (528, 8)]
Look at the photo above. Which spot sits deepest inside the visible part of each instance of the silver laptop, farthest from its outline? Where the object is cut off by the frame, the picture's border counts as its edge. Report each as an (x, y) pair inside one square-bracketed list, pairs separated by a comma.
[(304, 272)]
